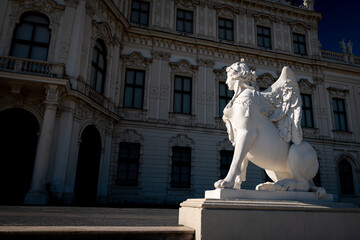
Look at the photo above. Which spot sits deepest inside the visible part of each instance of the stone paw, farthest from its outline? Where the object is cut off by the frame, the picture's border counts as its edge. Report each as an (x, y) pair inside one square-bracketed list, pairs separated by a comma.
[(222, 183), (281, 186), (268, 186)]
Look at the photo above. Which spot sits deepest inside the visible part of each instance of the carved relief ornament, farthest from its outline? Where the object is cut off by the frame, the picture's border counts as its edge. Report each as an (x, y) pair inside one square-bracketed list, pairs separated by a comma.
[(306, 86), (183, 67), (181, 140), (265, 80), (299, 27), (263, 20), (136, 59), (226, 11), (102, 30), (188, 4)]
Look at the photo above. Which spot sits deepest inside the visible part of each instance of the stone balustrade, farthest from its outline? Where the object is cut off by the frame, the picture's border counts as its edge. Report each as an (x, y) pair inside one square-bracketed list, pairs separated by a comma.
[(339, 57), (30, 66)]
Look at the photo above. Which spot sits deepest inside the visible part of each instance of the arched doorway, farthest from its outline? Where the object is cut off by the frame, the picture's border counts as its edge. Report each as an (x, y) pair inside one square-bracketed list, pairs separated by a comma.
[(87, 171), (18, 142)]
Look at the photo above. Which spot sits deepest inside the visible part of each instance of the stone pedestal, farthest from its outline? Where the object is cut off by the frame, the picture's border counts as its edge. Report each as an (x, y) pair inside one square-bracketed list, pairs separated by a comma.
[(248, 218)]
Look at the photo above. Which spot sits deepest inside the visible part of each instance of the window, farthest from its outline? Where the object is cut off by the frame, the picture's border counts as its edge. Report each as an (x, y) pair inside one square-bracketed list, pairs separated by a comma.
[(346, 177), (98, 67), (225, 96), (180, 170), (299, 44), (225, 162), (128, 168), (184, 21), (226, 29), (31, 37), (134, 88), (339, 115), (264, 37), (140, 12), (306, 117), (182, 95)]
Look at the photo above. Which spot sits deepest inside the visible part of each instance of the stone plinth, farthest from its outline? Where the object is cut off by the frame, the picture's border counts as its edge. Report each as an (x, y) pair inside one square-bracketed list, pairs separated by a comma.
[(222, 193), (215, 219)]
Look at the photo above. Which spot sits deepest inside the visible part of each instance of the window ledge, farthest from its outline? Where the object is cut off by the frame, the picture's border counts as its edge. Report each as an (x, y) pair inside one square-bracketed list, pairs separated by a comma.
[(133, 113), (343, 135), (182, 119)]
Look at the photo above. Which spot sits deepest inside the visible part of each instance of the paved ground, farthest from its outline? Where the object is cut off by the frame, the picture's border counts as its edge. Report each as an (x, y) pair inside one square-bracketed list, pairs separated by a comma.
[(86, 216)]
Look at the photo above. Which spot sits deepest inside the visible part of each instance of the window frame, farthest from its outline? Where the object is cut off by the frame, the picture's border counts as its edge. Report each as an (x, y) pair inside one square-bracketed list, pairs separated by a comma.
[(263, 36), (305, 110), (227, 98), (338, 113), (225, 28), (31, 43), (184, 21), (134, 86), (127, 161), (181, 164), (182, 92), (298, 43), (341, 183), (140, 12), (102, 51)]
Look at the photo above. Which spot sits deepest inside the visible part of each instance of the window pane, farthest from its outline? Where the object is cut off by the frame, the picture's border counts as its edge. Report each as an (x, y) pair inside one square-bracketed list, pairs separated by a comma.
[(180, 14), (295, 37), (177, 102), (307, 101), (21, 50), (340, 105), (24, 31), (135, 16), (93, 77), (260, 42), (188, 15), (95, 55), (179, 26), (296, 48), (187, 84), (130, 77), (38, 53), (128, 97), (99, 82), (222, 89), (259, 30), (138, 98), (101, 61), (144, 18), (302, 49), (186, 103), (222, 33), (178, 83), (335, 105), (267, 42), (343, 126), (135, 5), (303, 120), (42, 34), (337, 121), (145, 7), (188, 27), (301, 38), (221, 23), (139, 78), (308, 118), (229, 24), (266, 31), (229, 35)]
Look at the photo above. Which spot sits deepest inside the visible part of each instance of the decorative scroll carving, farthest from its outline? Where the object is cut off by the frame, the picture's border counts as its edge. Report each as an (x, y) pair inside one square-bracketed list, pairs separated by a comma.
[(306, 86), (136, 59), (183, 67)]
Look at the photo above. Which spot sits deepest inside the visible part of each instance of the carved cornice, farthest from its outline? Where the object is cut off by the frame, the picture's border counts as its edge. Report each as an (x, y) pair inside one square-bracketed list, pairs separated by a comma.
[(306, 87), (226, 11), (136, 59), (299, 27), (337, 92), (264, 20), (188, 4), (102, 30), (220, 74), (183, 67), (181, 140), (129, 135)]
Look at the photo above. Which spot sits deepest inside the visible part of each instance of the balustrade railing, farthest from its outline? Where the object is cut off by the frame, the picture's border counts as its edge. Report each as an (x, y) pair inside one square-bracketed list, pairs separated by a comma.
[(87, 90), (339, 57), (29, 66)]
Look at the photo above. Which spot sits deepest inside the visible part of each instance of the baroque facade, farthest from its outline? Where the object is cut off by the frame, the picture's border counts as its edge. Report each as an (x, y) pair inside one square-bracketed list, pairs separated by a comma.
[(121, 101)]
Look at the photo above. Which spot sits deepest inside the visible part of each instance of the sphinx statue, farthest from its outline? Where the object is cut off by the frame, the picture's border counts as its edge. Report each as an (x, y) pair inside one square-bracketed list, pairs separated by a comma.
[(265, 128)]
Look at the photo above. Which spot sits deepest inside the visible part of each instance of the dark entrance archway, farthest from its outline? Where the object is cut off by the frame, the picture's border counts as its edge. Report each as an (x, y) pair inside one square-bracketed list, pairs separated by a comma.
[(18, 141), (87, 171)]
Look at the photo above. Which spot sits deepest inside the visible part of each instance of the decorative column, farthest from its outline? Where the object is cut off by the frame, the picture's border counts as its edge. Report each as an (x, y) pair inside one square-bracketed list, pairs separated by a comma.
[(62, 150), (37, 193)]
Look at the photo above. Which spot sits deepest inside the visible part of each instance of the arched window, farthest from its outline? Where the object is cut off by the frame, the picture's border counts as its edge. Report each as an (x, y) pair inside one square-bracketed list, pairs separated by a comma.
[(98, 67), (346, 177), (31, 37)]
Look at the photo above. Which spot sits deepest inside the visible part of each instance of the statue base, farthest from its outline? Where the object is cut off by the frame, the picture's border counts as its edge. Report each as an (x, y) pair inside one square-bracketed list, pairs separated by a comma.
[(215, 219), (222, 193)]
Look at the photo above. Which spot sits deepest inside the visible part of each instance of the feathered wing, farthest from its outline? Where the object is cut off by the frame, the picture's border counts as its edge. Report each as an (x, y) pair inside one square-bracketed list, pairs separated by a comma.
[(281, 103)]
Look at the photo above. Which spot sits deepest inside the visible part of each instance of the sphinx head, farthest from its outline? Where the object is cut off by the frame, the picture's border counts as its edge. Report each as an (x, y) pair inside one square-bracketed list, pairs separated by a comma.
[(239, 71)]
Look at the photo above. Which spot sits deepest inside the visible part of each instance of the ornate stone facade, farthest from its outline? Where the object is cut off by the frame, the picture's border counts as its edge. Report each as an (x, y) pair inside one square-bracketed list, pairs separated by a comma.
[(58, 94)]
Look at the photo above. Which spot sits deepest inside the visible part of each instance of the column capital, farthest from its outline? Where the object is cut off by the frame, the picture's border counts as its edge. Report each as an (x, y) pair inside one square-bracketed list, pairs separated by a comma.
[(52, 94)]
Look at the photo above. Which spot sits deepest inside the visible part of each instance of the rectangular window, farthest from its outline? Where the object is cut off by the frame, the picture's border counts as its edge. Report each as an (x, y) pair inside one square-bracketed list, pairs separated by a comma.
[(134, 88), (182, 95), (299, 44), (181, 167), (225, 96), (339, 114), (307, 116), (225, 162), (128, 168), (226, 29), (140, 12), (264, 37), (184, 21)]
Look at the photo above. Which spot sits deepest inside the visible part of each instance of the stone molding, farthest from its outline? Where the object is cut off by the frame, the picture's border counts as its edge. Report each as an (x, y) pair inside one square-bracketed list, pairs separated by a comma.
[(306, 86), (137, 60)]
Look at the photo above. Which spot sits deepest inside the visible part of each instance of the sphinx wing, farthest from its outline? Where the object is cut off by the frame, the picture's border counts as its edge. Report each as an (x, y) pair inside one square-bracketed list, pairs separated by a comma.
[(281, 103)]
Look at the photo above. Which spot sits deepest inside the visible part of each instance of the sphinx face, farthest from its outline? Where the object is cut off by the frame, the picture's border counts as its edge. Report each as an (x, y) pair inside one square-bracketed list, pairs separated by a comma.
[(230, 82)]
